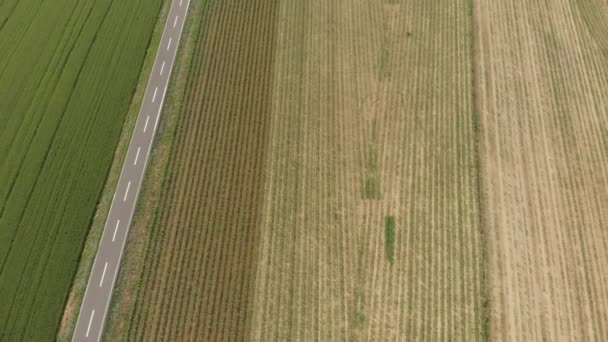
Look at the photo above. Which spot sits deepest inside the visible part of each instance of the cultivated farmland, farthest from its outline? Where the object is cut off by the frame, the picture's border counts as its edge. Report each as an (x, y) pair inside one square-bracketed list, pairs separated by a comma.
[(196, 280), (542, 80), (386, 170), (370, 228), (67, 72), (323, 182)]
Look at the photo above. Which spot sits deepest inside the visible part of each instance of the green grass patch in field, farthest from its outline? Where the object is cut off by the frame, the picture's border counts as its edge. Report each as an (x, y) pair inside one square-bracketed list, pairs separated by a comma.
[(389, 238), (372, 157), (385, 71), (372, 187)]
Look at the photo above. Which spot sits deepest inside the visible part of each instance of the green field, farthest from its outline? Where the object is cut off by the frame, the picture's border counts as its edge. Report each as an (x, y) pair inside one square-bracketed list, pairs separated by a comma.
[(68, 69)]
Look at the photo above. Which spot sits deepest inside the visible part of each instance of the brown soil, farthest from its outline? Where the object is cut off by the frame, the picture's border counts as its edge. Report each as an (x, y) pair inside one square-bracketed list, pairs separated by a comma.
[(199, 267)]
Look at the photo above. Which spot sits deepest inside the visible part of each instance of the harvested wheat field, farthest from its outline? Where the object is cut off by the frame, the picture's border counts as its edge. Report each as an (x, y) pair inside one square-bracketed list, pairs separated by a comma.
[(370, 223), (542, 80)]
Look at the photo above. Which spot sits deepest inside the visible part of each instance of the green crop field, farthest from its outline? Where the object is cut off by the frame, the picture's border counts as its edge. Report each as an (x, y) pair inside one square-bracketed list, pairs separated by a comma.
[(68, 69)]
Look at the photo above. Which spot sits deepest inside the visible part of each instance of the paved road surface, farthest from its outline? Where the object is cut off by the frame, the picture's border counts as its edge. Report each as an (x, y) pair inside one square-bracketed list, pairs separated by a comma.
[(99, 290)]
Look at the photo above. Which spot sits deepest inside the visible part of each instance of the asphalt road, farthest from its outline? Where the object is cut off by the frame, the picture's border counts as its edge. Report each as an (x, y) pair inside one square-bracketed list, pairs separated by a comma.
[(93, 311)]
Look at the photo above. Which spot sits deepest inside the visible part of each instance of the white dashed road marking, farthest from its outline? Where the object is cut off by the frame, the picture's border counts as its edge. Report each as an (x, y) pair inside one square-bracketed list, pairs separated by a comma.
[(115, 230), (175, 21), (162, 67), (154, 96), (160, 109), (90, 321), (127, 192), (169, 44), (137, 155), (146, 125), (103, 274)]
